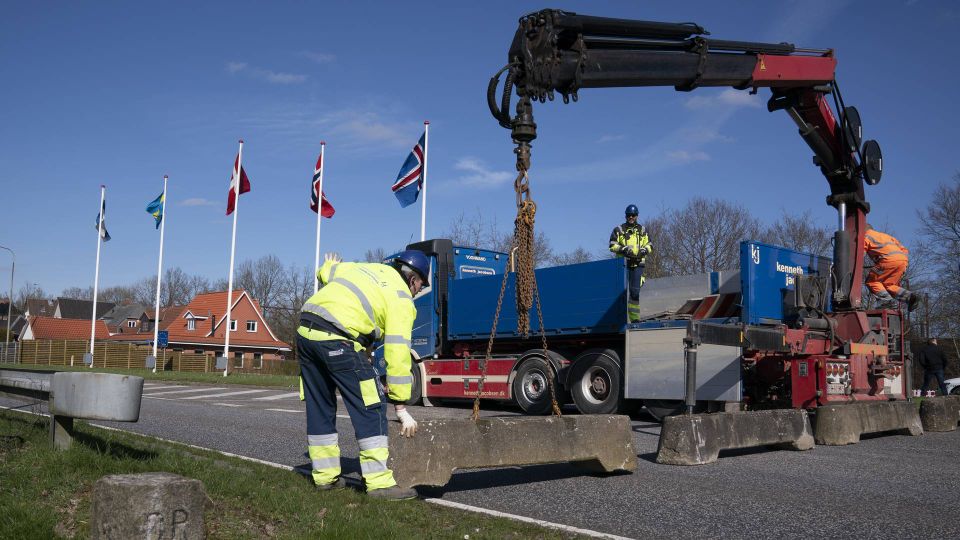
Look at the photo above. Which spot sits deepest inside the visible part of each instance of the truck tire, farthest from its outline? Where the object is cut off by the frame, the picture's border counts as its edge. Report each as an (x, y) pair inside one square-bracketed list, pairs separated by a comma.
[(531, 387), (662, 408), (596, 382), (416, 389)]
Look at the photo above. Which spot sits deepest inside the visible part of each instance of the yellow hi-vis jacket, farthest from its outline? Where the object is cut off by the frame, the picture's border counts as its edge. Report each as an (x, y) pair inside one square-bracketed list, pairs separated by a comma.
[(370, 300), (626, 241)]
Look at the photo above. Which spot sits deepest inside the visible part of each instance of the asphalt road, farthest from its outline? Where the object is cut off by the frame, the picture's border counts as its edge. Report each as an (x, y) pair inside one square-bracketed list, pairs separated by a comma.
[(885, 486)]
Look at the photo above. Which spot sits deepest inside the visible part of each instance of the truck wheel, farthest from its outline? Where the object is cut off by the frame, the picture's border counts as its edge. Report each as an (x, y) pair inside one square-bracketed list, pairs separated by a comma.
[(531, 387), (596, 383), (416, 389)]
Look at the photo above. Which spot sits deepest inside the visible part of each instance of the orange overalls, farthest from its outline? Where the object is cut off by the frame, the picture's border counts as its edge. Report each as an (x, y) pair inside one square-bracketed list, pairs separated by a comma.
[(890, 258)]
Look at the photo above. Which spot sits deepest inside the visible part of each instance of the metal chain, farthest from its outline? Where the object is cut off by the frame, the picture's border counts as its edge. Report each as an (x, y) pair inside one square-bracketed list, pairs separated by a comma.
[(486, 358)]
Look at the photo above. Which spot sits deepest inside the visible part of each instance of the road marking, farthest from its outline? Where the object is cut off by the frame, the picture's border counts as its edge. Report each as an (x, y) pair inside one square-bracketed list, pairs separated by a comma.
[(185, 391), (228, 404), (278, 396), (241, 392), (284, 410), (155, 387), (440, 502)]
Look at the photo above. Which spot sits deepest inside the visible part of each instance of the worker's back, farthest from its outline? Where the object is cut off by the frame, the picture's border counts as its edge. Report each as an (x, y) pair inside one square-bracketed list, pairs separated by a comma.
[(882, 246)]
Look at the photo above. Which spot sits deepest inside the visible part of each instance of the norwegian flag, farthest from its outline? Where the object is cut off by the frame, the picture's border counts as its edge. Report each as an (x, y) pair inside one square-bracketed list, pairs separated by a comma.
[(327, 210), (410, 179), (244, 185)]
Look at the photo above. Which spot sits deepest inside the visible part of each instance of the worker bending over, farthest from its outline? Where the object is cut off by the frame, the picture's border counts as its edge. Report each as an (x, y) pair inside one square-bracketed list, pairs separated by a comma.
[(631, 242), (358, 305), (890, 260)]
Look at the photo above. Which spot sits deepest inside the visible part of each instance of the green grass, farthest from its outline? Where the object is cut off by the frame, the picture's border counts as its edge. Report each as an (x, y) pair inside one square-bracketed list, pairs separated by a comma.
[(286, 381), (46, 493)]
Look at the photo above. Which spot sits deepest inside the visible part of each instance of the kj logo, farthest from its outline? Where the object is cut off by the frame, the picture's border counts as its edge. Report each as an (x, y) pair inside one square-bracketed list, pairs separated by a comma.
[(755, 254)]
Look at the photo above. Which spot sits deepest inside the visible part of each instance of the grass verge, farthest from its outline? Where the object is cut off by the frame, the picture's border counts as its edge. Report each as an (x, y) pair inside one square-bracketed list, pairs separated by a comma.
[(286, 381), (46, 493)]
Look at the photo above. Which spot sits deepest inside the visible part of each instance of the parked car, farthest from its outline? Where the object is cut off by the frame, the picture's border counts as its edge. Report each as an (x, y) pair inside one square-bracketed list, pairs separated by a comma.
[(953, 386)]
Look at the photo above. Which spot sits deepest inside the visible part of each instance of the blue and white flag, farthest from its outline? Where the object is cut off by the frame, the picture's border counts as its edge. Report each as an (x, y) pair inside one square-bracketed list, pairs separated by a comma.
[(410, 180), (102, 228), (155, 209)]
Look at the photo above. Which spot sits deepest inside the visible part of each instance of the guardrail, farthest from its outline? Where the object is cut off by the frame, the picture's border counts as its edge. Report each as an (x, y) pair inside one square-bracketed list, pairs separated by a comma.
[(70, 395)]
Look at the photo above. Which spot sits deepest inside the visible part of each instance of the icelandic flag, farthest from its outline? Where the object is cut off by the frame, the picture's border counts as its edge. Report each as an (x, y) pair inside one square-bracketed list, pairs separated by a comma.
[(102, 227), (155, 209), (326, 209), (237, 185), (410, 180)]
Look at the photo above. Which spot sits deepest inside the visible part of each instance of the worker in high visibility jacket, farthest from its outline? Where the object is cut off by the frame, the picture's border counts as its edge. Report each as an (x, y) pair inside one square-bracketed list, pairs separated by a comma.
[(359, 304), (631, 242), (890, 260)]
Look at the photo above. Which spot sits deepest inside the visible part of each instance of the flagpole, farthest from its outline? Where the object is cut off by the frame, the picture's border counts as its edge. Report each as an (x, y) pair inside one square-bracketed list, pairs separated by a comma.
[(423, 195), (96, 273), (316, 261), (233, 245), (156, 316)]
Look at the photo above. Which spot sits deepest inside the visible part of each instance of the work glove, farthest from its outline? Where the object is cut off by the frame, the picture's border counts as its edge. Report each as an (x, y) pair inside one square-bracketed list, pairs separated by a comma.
[(644, 252), (408, 425), (631, 251), (331, 257)]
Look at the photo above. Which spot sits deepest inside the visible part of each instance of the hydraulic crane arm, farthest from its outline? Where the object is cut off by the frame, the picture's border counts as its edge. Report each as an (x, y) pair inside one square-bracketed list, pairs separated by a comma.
[(558, 52)]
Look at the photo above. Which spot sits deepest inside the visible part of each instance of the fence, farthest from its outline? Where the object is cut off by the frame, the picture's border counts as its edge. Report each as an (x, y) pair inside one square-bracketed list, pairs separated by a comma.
[(130, 356), (8, 352)]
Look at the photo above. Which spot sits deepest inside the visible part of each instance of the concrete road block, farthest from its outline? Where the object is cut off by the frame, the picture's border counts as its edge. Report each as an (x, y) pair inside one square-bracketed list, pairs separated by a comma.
[(842, 424), (940, 413), (96, 396), (443, 446), (149, 506), (697, 439)]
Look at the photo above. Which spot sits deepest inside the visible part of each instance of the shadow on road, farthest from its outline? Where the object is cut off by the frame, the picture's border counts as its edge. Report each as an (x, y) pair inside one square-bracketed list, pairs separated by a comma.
[(510, 476)]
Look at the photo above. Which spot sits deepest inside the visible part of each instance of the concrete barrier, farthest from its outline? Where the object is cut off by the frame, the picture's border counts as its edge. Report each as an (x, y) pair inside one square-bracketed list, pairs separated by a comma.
[(940, 413), (443, 446), (697, 439), (151, 506), (837, 425)]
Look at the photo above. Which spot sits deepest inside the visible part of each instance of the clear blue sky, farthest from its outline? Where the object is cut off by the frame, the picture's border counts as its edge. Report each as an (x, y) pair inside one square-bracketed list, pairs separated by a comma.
[(121, 93)]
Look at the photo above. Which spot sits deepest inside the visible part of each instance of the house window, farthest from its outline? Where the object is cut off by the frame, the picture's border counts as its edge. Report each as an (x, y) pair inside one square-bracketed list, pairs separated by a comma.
[(198, 351), (233, 325), (257, 360), (251, 326), (191, 324), (131, 324), (238, 359)]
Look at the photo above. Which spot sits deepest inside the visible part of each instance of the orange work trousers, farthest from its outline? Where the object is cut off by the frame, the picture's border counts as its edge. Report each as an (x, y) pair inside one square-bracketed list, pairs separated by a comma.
[(886, 275)]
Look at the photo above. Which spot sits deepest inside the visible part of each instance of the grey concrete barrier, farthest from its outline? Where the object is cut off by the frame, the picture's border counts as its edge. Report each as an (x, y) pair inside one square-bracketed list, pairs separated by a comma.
[(841, 424), (940, 413), (697, 439), (442, 446), (149, 505)]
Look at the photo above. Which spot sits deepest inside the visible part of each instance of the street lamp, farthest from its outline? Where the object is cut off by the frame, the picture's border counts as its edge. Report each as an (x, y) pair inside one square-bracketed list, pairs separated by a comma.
[(6, 337)]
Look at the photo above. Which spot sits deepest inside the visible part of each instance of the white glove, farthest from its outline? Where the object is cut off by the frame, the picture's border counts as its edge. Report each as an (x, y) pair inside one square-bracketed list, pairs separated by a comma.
[(631, 251), (408, 425), (331, 257)]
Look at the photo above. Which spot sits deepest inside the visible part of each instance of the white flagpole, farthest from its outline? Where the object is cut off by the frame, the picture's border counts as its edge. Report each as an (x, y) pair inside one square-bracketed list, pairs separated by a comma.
[(156, 316), (316, 262), (96, 273), (233, 245), (423, 190)]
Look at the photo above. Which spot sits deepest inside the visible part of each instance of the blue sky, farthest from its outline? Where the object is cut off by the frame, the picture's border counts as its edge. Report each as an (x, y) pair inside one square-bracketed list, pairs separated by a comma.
[(121, 93)]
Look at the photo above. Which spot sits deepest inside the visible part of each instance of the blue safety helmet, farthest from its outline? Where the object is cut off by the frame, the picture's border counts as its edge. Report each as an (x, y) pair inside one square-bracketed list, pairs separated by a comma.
[(632, 210), (416, 261)]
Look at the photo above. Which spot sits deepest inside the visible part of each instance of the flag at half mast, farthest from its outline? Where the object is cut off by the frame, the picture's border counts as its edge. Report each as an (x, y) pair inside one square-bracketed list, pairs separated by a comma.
[(327, 209), (410, 179), (239, 183)]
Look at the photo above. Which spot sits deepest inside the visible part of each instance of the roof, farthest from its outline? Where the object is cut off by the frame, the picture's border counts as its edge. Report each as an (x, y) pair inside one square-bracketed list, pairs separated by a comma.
[(71, 308), (120, 314), (214, 306), (53, 328), (168, 315), (4, 306), (43, 308)]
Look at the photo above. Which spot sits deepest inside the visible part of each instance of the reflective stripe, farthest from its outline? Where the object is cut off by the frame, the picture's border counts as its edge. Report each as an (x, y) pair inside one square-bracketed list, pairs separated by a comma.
[(370, 392), (367, 467), (392, 339), (326, 463), (372, 443), (322, 440), (326, 315), (333, 271), (394, 379), (404, 294), (360, 296)]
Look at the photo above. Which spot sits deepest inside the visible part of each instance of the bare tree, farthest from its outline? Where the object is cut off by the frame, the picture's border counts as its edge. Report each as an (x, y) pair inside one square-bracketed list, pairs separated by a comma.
[(374, 255), (262, 279), (474, 232), (576, 256), (78, 293), (938, 256), (119, 294), (29, 291), (800, 233)]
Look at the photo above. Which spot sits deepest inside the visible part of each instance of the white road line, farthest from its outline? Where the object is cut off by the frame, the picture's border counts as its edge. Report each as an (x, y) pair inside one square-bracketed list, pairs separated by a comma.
[(185, 391), (228, 404), (241, 392), (151, 388), (284, 410), (439, 502), (278, 396)]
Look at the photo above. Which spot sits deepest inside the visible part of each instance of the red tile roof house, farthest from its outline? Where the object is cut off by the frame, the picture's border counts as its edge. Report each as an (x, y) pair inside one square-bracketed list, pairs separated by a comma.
[(58, 329), (199, 327)]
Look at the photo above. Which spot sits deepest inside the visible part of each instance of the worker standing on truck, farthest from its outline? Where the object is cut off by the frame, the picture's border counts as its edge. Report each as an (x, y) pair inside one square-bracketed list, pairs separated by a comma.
[(358, 305), (890, 260), (631, 242)]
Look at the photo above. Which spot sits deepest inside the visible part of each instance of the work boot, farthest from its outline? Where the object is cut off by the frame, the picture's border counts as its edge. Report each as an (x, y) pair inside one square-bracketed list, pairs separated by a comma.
[(339, 483), (394, 493), (885, 301)]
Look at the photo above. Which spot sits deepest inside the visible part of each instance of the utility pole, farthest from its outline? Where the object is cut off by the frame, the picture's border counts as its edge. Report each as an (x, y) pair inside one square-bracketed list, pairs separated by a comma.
[(6, 337)]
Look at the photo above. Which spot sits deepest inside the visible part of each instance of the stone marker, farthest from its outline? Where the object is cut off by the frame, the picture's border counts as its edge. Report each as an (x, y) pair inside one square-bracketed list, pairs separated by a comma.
[(148, 506)]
